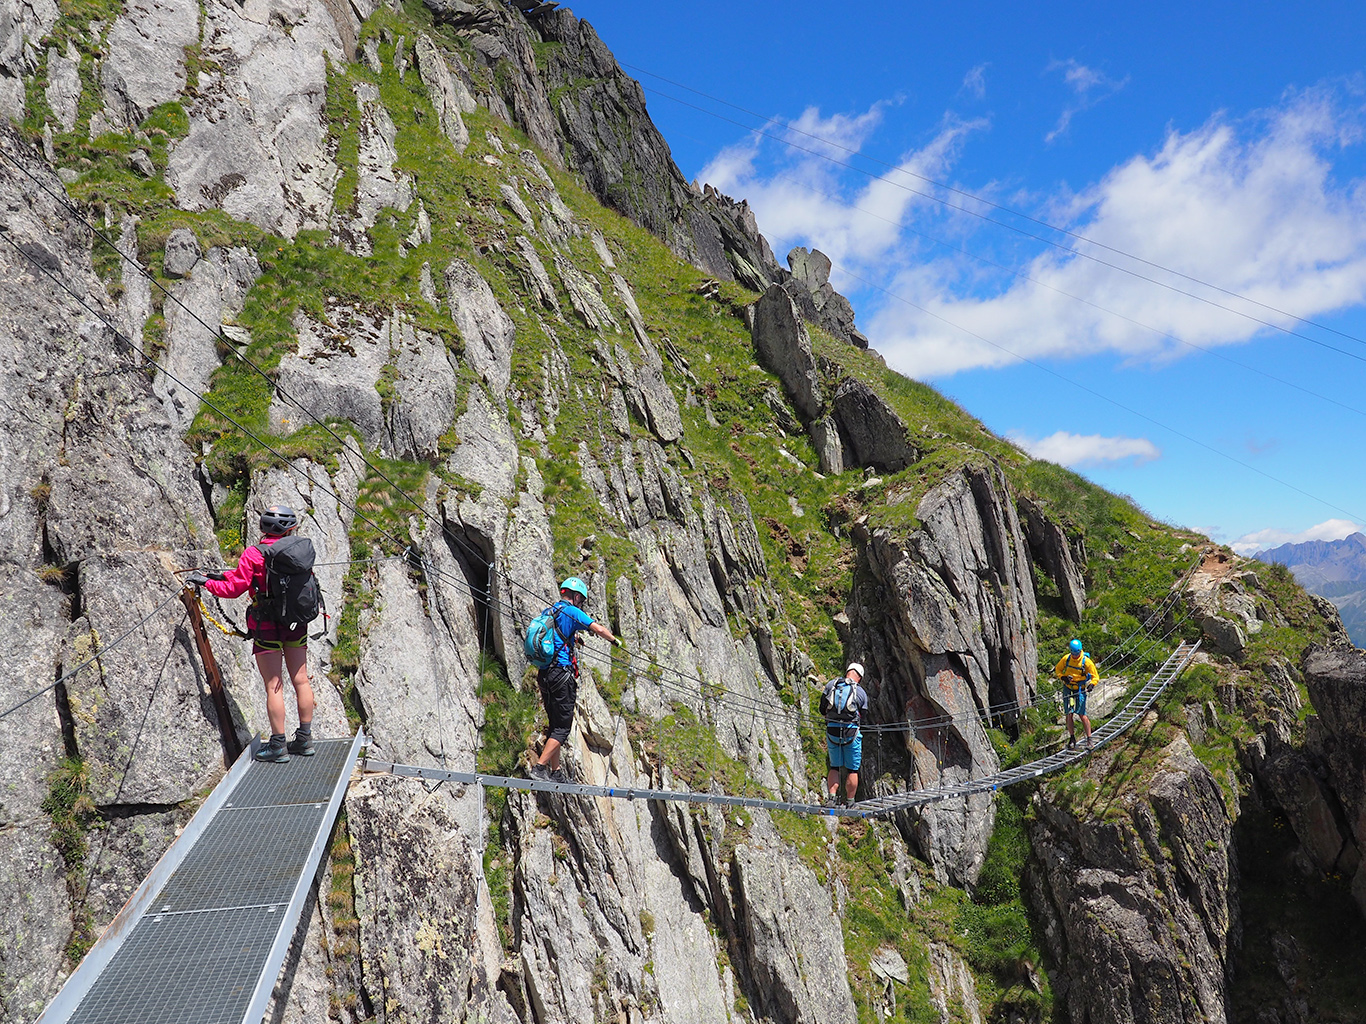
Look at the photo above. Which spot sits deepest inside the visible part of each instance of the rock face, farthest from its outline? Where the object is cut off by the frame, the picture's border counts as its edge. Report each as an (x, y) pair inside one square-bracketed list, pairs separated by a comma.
[(1227, 613), (1336, 677), (1049, 547), (86, 542), (1139, 910), (947, 617)]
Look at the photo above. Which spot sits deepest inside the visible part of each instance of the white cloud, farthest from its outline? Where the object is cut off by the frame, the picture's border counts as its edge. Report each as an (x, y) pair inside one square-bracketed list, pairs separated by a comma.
[(1089, 87), (1333, 529), (975, 82), (799, 198), (1252, 206), (1086, 449)]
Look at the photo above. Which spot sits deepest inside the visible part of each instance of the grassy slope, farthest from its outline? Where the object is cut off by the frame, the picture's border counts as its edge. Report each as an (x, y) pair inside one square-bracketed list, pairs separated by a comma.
[(1133, 560)]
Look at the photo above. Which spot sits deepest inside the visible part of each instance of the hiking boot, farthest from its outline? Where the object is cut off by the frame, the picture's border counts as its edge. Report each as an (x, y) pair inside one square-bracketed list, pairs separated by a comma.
[(1071, 743), (301, 744), (558, 775), (831, 800), (273, 753), (540, 772), (1088, 743)]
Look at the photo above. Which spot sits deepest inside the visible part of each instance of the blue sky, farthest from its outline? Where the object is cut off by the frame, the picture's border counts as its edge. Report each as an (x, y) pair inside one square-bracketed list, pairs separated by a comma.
[(1225, 143)]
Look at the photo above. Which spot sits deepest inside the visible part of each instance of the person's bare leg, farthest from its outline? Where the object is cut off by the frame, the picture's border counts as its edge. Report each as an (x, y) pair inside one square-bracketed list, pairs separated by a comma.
[(851, 787), (832, 782), (1071, 732), (268, 663), (1086, 724), (296, 661), (550, 754)]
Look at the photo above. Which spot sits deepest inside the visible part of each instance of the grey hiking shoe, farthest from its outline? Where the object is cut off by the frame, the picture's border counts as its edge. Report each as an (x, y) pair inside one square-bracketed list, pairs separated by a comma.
[(301, 744), (558, 775), (1088, 742), (540, 772), (1071, 743), (272, 753)]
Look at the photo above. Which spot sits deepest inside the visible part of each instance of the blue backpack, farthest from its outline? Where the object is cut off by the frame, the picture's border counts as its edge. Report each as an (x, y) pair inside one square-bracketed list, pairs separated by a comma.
[(539, 643)]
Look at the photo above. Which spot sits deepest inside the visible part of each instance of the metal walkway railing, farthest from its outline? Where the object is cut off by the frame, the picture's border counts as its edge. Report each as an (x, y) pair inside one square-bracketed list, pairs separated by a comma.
[(203, 938), (1132, 711)]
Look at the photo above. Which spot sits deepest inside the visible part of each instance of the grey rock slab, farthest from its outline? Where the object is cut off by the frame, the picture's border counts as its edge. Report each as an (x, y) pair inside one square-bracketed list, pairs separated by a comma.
[(427, 287), (508, 190), (784, 347), (447, 92), (1336, 677), (486, 453), (333, 373), (1049, 547), (258, 146), (825, 436), (379, 185), (791, 938), (64, 84), (35, 920), (874, 434), (181, 253), (541, 285), (216, 291), (142, 163), (120, 852), (585, 295), (952, 988), (415, 885), (810, 268), (425, 383), (416, 676), (487, 331), (145, 62)]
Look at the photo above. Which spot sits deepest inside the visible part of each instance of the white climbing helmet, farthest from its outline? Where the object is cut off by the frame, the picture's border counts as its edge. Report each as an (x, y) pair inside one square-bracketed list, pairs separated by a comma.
[(854, 666)]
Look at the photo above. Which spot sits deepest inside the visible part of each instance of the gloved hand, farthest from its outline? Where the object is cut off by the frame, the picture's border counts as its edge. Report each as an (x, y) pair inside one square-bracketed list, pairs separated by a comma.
[(618, 643), (1091, 688), (219, 576), (196, 579)]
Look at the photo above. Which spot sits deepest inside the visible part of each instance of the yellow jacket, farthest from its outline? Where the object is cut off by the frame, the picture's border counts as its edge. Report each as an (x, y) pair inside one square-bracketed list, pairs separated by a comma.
[(1075, 672)]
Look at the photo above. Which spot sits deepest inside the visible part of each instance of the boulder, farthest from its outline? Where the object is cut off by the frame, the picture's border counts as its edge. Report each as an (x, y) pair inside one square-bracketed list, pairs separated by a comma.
[(825, 436), (181, 253), (1049, 547), (784, 347), (875, 435)]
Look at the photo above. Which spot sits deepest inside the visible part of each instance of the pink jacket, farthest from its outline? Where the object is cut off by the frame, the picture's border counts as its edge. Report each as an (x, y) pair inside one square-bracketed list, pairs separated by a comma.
[(250, 574)]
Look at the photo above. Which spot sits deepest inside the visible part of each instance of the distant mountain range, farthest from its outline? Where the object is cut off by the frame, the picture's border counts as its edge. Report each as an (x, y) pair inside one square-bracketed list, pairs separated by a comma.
[(1335, 569)]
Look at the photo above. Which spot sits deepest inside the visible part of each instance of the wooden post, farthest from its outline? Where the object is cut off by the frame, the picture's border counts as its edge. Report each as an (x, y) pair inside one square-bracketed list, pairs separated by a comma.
[(232, 747)]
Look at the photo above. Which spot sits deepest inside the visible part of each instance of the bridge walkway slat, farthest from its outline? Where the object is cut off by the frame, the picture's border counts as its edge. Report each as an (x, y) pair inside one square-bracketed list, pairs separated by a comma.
[(202, 940)]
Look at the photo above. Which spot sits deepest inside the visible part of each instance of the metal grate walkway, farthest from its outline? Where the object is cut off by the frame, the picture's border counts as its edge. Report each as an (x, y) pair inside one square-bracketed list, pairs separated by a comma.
[(203, 938), (1136, 707)]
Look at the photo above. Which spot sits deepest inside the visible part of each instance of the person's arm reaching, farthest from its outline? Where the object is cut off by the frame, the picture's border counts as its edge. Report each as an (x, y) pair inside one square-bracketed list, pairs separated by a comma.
[(598, 629), (237, 582)]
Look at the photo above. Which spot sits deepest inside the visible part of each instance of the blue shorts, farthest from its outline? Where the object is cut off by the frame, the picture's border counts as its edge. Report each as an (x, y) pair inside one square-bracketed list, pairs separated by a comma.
[(1074, 702), (844, 755)]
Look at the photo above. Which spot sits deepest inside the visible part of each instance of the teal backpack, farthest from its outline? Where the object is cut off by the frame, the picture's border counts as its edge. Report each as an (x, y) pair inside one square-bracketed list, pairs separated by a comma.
[(539, 643)]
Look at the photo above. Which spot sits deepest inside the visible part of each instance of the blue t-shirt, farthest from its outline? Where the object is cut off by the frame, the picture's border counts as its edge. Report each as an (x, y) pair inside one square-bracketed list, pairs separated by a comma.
[(569, 620)]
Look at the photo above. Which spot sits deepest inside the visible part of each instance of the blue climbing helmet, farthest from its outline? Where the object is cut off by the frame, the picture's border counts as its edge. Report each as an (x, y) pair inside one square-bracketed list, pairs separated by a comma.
[(1075, 645), (575, 586)]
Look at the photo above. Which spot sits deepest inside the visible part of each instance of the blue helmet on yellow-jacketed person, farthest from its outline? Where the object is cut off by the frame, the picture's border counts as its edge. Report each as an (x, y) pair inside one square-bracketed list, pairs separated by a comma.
[(1075, 646)]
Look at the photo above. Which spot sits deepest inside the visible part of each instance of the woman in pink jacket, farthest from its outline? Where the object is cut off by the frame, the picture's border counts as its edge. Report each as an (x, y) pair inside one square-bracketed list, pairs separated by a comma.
[(272, 642)]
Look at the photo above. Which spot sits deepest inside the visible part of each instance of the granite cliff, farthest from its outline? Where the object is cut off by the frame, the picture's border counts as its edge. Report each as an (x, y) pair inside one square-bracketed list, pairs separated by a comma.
[(495, 326)]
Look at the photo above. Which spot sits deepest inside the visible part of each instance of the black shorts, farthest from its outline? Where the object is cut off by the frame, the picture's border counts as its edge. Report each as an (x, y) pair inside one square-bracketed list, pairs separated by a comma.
[(559, 691)]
